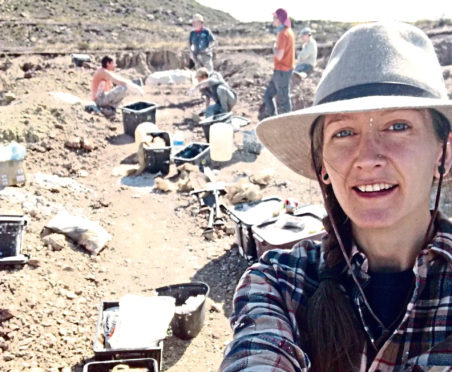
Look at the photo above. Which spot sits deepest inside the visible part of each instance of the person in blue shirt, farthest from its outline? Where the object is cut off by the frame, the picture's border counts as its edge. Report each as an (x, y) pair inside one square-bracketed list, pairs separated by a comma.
[(201, 44)]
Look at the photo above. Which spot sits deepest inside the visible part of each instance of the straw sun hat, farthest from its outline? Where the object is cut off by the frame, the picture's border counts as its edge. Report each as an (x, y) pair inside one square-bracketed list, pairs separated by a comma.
[(197, 17), (374, 66)]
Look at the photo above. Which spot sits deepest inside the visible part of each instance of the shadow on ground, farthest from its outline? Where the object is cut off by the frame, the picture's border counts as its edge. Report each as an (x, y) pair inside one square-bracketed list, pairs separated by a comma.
[(183, 105), (222, 275), (120, 139), (238, 156)]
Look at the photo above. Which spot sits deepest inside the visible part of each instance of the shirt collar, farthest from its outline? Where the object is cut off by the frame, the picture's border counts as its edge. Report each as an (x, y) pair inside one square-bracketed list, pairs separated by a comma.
[(441, 245), (442, 241), (280, 28)]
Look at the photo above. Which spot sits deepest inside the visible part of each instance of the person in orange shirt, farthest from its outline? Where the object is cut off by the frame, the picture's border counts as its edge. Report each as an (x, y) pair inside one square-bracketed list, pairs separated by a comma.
[(284, 61)]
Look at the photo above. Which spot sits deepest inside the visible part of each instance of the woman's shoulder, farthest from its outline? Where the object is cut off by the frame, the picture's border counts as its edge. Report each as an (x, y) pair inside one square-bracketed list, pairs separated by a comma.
[(301, 263)]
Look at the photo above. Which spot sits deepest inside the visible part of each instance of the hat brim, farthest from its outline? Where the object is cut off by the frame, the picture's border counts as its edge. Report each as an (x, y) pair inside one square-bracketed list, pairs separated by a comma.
[(287, 136)]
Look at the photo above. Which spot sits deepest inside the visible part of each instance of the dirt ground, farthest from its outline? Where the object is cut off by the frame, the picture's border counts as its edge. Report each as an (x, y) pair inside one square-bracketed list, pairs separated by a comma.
[(49, 307)]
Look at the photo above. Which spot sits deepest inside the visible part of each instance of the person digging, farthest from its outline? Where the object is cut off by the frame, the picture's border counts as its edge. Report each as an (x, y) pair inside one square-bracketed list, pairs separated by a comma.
[(212, 86)]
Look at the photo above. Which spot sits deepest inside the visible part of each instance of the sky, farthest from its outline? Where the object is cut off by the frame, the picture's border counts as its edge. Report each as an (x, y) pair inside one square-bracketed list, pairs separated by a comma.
[(336, 10)]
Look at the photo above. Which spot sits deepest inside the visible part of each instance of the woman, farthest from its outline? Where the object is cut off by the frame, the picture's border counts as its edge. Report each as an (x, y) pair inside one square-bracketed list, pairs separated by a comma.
[(376, 294)]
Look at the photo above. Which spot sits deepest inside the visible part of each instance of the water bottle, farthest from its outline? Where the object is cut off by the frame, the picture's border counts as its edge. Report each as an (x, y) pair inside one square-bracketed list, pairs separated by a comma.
[(178, 141)]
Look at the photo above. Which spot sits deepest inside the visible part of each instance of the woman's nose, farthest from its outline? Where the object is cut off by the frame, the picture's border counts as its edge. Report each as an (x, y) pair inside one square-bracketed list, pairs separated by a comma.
[(370, 151)]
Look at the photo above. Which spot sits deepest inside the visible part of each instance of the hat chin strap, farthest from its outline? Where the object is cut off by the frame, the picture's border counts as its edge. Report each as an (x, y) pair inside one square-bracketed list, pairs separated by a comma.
[(438, 192)]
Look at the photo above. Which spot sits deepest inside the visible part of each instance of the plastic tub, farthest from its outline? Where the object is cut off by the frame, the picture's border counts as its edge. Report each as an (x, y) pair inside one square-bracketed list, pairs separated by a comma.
[(136, 113), (103, 353), (11, 236), (157, 159), (285, 231), (219, 118), (107, 366), (246, 215), (196, 153), (238, 122), (188, 324)]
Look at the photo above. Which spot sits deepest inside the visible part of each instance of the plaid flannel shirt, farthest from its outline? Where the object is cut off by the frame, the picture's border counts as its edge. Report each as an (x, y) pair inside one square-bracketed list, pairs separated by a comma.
[(273, 293)]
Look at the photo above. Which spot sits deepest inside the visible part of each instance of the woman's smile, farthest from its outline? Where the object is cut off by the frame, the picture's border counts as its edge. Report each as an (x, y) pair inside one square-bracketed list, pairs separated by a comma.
[(374, 190)]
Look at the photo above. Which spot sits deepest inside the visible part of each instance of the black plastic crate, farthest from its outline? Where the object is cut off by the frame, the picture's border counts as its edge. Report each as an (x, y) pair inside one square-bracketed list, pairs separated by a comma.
[(286, 230), (136, 113), (218, 118), (11, 234), (245, 216), (196, 153), (158, 159), (106, 366), (103, 353)]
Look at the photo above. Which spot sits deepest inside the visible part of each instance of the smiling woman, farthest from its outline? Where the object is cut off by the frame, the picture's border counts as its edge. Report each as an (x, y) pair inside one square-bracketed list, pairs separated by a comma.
[(375, 294)]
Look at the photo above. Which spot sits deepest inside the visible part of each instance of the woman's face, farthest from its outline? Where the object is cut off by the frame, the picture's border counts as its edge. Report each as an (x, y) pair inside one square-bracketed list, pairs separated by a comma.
[(381, 165)]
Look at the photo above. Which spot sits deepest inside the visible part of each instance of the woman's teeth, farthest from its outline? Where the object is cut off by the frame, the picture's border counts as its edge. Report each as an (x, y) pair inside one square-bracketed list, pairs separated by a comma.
[(374, 187)]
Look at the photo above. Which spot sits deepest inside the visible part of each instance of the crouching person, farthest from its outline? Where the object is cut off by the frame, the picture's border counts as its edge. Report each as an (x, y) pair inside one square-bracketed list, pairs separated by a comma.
[(106, 97), (212, 86)]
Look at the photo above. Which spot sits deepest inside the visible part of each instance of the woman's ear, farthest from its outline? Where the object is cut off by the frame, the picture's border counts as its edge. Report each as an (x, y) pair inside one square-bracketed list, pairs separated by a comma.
[(447, 161), (325, 176)]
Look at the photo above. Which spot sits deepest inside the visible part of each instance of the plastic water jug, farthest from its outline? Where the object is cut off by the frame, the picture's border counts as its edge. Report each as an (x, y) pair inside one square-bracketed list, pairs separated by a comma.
[(221, 138), (143, 130)]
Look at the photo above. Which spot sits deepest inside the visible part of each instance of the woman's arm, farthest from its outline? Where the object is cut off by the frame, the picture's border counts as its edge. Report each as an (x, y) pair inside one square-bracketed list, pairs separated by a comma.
[(264, 319)]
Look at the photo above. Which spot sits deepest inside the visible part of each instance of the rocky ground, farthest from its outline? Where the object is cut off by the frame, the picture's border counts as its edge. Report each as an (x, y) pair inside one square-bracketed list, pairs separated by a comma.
[(50, 306), (77, 162)]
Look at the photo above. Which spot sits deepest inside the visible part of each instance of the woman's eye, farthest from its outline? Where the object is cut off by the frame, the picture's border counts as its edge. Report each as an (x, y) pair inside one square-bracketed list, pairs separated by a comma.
[(343, 133), (398, 126)]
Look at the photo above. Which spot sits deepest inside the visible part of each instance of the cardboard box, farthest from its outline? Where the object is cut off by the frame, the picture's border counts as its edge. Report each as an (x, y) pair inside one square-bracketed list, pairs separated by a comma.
[(12, 173)]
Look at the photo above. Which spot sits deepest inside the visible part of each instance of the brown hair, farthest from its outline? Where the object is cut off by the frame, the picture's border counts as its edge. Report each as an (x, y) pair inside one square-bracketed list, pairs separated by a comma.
[(335, 336), (105, 61), (335, 340), (202, 72)]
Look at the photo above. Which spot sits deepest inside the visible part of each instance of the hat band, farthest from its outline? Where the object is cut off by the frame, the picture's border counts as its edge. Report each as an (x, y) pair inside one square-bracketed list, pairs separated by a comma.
[(377, 89)]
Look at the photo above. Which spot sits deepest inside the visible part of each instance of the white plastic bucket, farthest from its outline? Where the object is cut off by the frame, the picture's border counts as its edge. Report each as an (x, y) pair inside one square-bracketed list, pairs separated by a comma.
[(221, 138), (143, 130)]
